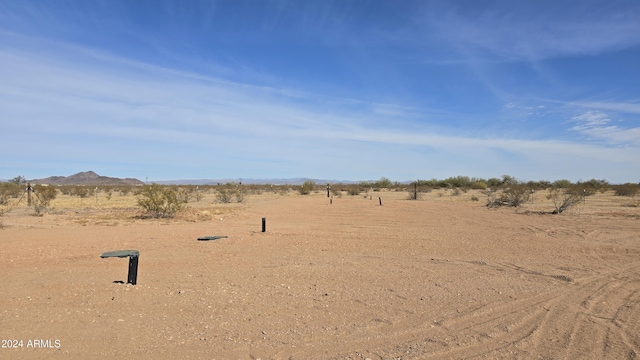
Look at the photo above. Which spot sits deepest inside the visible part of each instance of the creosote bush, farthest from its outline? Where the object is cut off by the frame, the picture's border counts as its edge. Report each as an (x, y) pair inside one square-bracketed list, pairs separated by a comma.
[(564, 199), (160, 201), (307, 187), (229, 193)]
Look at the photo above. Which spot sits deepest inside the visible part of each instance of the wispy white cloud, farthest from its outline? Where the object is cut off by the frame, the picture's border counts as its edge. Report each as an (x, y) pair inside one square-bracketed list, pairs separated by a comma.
[(597, 125), (516, 31), (623, 107)]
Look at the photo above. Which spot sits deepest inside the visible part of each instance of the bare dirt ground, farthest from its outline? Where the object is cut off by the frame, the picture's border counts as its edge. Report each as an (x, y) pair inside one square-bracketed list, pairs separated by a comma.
[(439, 278)]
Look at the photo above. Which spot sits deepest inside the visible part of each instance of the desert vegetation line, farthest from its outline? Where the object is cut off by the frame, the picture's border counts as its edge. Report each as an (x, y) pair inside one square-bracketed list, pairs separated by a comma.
[(161, 201)]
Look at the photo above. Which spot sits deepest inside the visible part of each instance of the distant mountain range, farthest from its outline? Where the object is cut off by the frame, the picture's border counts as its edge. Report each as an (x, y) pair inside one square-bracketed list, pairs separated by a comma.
[(293, 181), (86, 178), (91, 178)]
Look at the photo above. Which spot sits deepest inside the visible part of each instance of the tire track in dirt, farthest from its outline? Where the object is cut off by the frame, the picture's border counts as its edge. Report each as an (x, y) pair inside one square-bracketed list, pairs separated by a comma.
[(582, 318), (595, 317), (592, 318)]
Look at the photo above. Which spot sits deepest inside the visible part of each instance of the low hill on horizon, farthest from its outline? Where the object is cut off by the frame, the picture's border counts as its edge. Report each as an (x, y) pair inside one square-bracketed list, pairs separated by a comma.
[(91, 178), (86, 178), (292, 181)]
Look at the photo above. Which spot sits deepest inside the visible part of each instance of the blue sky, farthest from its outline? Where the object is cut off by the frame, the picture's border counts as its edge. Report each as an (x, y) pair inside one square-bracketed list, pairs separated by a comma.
[(347, 90)]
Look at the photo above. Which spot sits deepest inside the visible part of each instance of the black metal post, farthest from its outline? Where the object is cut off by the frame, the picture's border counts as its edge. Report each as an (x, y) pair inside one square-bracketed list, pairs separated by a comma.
[(380, 199), (132, 278), (264, 224)]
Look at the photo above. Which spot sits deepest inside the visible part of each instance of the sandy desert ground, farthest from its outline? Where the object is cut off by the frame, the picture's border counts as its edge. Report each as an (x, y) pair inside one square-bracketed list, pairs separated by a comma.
[(439, 278)]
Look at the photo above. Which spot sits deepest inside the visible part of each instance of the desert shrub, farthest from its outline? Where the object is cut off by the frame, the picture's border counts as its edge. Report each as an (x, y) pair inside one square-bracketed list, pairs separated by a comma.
[(474, 198), (82, 191), (47, 193), (383, 183), (42, 197), (355, 191), (229, 193), (75, 190), (66, 189), (307, 187), (592, 186), (564, 199), (8, 191), (189, 192), (562, 183), (428, 183), (627, 189), (160, 201), (508, 180), (224, 195), (199, 193), (457, 182), (513, 195), (455, 192), (185, 193), (18, 180), (415, 191), (494, 183), (125, 189), (479, 185), (415, 195), (239, 195), (580, 191)]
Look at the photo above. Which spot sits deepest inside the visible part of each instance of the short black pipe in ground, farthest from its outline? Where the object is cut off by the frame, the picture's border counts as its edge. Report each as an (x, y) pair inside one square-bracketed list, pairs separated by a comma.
[(132, 278)]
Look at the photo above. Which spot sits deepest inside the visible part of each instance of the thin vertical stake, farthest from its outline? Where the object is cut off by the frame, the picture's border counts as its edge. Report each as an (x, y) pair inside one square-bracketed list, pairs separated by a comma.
[(264, 224)]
